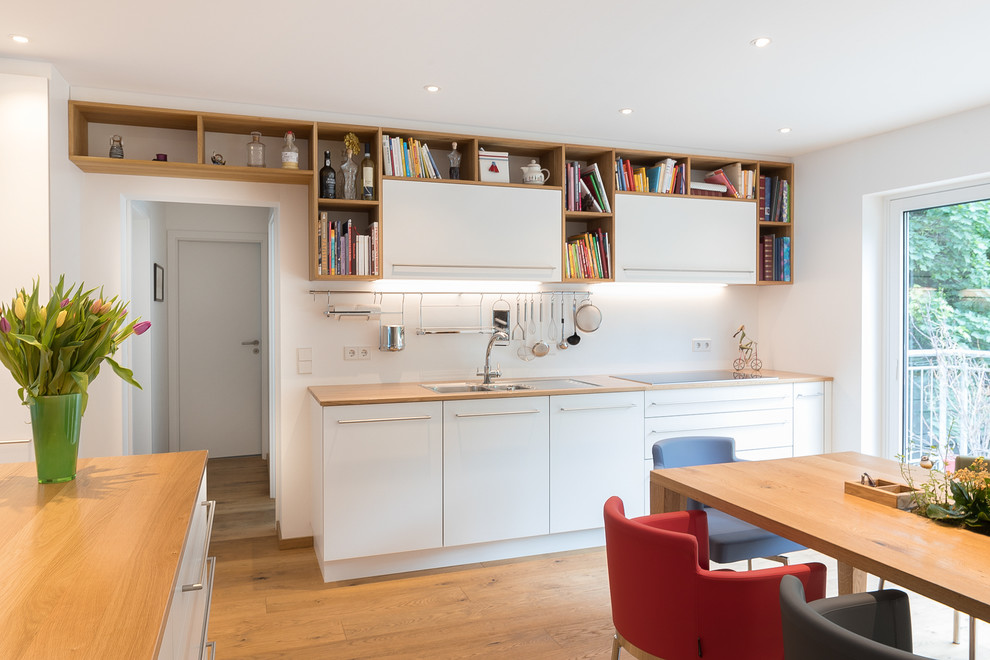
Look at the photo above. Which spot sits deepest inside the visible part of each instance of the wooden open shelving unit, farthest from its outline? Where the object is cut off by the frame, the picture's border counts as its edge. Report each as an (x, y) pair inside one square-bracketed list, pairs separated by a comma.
[(191, 138)]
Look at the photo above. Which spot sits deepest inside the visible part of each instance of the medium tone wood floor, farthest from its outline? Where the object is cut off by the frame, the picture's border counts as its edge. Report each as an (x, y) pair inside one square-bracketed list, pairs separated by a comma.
[(271, 603)]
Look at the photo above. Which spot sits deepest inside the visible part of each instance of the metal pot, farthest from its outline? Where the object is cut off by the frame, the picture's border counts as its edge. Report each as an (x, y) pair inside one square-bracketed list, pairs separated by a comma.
[(393, 338), (587, 318)]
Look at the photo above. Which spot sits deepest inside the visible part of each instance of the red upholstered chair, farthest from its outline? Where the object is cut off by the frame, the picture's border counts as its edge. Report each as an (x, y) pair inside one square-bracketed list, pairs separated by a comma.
[(667, 604)]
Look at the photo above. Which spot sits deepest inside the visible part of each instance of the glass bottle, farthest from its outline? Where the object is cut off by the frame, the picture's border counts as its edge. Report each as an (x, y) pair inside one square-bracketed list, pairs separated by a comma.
[(367, 174), (116, 147), (348, 171), (455, 161), (290, 152), (256, 150), (328, 178)]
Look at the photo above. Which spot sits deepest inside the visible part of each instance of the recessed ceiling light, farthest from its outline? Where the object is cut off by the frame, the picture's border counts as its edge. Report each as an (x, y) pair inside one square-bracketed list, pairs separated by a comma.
[(432, 89), (21, 39), (626, 111), (760, 42), (784, 130)]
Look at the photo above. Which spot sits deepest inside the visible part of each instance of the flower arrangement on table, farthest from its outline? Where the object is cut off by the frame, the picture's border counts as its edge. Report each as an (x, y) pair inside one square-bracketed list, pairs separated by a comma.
[(961, 496), (54, 350)]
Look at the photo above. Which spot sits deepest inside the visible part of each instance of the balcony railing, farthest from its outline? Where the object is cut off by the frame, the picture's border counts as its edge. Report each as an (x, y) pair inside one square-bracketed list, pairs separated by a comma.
[(947, 400)]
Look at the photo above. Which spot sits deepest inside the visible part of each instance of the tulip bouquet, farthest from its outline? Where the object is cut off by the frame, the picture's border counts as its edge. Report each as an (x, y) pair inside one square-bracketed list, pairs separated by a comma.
[(57, 346)]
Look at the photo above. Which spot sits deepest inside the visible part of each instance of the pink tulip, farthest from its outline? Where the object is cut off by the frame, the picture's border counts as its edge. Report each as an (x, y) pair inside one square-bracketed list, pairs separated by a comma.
[(4, 325), (142, 327), (65, 303)]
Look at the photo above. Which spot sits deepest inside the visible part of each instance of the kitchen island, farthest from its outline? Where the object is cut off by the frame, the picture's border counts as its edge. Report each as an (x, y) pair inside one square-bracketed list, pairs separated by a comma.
[(90, 566)]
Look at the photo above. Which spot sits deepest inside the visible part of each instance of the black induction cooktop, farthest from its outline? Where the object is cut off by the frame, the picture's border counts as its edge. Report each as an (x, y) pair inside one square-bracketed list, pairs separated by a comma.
[(677, 377)]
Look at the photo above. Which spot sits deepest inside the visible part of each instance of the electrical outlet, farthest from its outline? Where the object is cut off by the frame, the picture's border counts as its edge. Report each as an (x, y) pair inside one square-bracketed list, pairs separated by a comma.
[(701, 345), (357, 352)]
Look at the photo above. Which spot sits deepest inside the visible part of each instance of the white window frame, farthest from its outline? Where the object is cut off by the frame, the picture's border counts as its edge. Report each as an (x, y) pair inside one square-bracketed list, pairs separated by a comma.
[(893, 294)]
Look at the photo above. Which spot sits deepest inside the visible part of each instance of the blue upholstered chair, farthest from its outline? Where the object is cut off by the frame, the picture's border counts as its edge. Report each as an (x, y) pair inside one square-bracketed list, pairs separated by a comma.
[(729, 539)]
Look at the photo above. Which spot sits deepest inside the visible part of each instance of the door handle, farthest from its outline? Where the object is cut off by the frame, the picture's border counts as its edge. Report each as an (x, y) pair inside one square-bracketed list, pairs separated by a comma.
[(251, 343)]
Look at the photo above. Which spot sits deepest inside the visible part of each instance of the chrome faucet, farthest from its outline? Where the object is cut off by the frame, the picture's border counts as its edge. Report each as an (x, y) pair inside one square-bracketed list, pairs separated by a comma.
[(498, 335)]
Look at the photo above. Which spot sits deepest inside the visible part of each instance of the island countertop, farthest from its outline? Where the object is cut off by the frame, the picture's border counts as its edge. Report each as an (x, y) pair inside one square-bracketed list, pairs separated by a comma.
[(89, 566), (343, 395)]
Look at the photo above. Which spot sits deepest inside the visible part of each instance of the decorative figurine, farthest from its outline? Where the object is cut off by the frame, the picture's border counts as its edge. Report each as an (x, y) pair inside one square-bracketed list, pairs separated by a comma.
[(116, 147), (747, 352), (218, 159), (348, 169), (455, 161)]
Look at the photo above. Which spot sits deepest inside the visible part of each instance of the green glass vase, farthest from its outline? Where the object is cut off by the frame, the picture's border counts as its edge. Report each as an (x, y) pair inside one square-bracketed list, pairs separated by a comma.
[(55, 422)]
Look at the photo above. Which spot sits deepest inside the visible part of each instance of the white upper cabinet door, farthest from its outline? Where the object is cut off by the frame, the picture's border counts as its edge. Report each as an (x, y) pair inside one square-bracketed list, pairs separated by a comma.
[(465, 231), (671, 239)]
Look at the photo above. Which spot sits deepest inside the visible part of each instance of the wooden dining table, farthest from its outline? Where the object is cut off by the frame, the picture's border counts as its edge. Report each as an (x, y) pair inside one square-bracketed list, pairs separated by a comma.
[(803, 499)]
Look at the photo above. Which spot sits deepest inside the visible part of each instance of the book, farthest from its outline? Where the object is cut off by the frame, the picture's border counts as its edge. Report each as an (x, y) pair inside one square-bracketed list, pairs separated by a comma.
[(653, 177), (719, 176), (598, 188), (785, 259), (733, 172), (708, 189), (585, 192)]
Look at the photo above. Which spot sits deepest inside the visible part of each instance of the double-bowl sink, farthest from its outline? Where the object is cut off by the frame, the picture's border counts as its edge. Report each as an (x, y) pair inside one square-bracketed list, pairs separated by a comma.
[(544, 384)]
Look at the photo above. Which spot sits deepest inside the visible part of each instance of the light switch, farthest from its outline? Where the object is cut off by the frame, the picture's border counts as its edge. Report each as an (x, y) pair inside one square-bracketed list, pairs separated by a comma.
[(305, 366), (304, 354)]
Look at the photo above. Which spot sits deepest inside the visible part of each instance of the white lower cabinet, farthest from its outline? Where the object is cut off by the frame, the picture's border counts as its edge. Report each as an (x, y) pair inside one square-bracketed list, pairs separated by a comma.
[(16, 451), (187, 627), (379, 484), (496, 469), (811, 406), (595, 453)]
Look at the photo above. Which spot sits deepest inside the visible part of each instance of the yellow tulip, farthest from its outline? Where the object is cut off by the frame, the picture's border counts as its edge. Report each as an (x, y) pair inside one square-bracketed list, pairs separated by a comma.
[(95, 307), (60, 319), (105, 308), (43, 313), (20, 311)]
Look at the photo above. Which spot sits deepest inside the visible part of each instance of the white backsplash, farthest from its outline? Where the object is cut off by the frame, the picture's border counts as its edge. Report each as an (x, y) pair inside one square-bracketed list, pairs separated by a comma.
[(642, 329)]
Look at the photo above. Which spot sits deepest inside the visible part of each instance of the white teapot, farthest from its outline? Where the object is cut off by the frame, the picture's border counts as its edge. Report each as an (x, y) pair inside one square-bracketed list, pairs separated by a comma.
[(533, 174)]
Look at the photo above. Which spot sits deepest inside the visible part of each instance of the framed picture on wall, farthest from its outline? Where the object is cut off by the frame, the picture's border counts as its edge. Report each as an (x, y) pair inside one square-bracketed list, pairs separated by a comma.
[(159, 283)]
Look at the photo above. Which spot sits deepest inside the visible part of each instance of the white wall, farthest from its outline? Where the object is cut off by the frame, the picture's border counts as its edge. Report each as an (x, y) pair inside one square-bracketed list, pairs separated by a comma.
[(24, 208), (830, 320)]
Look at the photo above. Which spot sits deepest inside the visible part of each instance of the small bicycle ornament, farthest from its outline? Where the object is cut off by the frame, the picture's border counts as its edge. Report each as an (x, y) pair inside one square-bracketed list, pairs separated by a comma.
[(748, 353)]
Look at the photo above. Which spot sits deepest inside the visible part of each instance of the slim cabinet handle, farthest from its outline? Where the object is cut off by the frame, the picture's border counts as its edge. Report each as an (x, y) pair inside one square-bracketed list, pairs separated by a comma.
[(810, 396), (414, 418), (683, 403), (732, 426), (622, 407), (495, 414), (211, 507), (203, 644)]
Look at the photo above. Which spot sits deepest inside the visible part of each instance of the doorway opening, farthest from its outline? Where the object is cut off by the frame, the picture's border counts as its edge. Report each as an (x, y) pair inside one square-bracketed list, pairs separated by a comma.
[(204, 386)]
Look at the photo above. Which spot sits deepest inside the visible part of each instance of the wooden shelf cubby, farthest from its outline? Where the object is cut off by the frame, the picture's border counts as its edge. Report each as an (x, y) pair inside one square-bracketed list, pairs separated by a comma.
[(191, 138)]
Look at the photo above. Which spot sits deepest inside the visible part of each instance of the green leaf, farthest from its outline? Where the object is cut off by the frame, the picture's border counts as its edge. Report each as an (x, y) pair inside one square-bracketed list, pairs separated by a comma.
[(126, 374)]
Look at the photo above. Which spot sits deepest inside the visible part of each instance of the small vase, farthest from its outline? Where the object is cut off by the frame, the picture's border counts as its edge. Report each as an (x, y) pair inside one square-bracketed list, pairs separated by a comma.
[(55, 422)]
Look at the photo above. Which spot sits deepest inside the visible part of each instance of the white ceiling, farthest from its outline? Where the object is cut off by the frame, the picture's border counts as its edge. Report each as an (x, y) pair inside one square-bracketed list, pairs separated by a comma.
[(836, 71)]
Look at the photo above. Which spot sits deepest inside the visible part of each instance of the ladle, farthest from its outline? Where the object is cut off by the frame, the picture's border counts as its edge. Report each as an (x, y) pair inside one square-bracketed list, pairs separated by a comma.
[(563, 340), (574, 339)]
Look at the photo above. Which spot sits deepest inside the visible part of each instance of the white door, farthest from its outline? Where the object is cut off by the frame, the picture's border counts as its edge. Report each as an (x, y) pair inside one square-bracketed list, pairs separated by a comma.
[(219, 302)]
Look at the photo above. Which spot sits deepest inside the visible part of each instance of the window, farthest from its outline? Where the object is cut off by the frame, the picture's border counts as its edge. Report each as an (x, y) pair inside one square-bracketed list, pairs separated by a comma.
[(939, 323)]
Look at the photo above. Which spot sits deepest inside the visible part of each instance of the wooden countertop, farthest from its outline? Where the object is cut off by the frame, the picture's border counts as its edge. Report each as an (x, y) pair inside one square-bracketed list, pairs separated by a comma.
[(347, 395), (88, 567)]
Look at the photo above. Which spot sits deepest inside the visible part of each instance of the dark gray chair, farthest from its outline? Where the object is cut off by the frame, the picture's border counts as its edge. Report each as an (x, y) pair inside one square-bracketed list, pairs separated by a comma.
[(865, 626), (729, 539)]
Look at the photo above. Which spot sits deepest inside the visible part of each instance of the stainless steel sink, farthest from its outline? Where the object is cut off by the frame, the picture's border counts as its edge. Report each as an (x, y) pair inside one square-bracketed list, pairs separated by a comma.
[(545, 384), (456, 388)]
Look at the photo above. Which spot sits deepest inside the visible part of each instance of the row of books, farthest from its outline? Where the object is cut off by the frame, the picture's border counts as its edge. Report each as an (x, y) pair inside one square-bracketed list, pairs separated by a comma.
[(588, 256), (584, 189), (408, 157), (344, 251), (665, 176), (775, 258), (774, 199)]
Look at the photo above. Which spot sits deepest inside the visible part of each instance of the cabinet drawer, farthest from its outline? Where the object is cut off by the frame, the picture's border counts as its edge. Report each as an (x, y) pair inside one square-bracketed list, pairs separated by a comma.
[(703, 400), (753, 429)]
